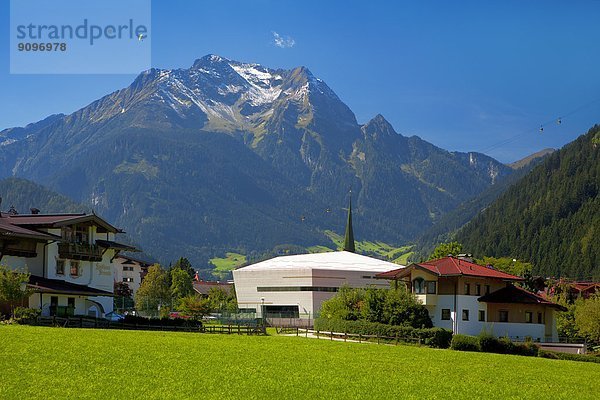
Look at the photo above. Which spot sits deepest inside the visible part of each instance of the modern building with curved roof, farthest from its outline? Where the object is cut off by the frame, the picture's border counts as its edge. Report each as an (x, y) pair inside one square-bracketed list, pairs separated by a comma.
[(297, 285)]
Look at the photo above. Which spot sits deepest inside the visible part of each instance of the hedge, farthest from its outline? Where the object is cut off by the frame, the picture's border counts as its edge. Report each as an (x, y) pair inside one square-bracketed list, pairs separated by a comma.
[(491, 344), (136, 319), (432, 337), (568, 356), (465, 343)]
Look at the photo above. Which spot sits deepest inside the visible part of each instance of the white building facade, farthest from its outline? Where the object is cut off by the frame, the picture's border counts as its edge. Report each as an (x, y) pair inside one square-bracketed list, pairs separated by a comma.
[(470, 299), (296, 286), (69, 256)]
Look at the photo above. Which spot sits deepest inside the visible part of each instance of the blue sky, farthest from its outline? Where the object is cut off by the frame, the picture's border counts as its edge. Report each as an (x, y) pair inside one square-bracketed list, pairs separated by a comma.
[(463, 75)]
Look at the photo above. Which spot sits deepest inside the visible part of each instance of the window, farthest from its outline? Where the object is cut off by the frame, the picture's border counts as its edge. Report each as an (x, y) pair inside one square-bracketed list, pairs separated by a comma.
[(467, 288), (60, 267), (419, 286), (126, 268), (81, 234), (430, 287), (482, 315), (478, 289), (71, 302), (75, 269), (445, 314), (465, 315), (127, 279), (540, 318), (503, 316), (487, 289), (528, 317)]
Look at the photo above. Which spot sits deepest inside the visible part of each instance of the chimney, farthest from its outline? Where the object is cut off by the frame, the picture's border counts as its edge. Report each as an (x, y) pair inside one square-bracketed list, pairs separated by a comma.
[(13, 211), (34, 211), (196, 277)]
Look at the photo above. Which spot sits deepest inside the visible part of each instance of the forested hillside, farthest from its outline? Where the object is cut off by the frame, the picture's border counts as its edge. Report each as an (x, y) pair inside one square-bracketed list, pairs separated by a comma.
[(24, 195), (551, 217)]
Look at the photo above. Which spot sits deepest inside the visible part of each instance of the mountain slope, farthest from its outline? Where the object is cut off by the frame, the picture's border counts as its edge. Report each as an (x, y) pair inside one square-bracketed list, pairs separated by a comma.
[(229, 156), (450, 223), (551, 217), (24, 195), (531, 158)]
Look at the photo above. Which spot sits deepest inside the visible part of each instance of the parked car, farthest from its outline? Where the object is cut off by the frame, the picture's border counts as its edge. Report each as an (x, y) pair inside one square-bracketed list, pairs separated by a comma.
[(175, 314), (114, 317)]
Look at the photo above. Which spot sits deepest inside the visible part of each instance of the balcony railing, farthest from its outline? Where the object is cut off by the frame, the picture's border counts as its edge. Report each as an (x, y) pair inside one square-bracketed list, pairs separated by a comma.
[(76, 251), (428, 299)]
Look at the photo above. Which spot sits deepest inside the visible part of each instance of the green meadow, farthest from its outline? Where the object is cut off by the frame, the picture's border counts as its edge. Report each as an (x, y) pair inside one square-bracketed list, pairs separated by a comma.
[(230, 262), (61, 363)]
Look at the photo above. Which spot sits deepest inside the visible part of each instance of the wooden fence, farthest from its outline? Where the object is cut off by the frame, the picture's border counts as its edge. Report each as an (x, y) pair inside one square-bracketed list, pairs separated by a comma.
[(156, 325), (356, 337)]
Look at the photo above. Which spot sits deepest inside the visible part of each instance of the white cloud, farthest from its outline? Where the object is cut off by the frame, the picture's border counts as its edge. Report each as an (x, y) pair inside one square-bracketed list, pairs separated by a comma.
[(284, 42)]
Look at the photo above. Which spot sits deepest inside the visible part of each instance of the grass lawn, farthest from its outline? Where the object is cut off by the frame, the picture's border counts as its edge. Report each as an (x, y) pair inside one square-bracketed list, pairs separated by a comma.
[(43, 363)]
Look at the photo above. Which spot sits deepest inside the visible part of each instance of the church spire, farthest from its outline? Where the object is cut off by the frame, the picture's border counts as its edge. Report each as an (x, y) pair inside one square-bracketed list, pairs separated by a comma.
[(349, 236)]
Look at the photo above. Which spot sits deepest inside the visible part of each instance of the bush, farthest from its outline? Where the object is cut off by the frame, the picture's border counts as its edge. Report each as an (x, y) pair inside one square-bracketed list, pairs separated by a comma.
[(24, 315), (526, 349), (432, 337), (567, 356), (490, 344), (465, 343)]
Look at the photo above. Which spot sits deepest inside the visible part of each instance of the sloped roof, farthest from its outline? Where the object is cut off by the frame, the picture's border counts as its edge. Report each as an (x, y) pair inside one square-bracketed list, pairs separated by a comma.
[(45, 285), (9, 230), (109, 244), (132, 260), (203, 287), (451, 266), (513, 294), (57, 220), (336, 260)]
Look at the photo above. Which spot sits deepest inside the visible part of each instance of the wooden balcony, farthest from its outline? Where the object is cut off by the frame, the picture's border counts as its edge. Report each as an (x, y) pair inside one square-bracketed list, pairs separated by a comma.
[(76, 251)]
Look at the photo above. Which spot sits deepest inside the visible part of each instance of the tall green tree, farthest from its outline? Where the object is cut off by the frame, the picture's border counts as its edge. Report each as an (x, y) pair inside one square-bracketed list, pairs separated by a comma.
[(154, 292), (181, 284), (444, 249), (222, 300), (587, 318), (13, 286), (123, 299), (185, 264)]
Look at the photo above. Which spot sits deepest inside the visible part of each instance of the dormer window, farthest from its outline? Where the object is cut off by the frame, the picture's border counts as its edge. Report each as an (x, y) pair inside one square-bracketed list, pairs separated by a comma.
[(419, 286)]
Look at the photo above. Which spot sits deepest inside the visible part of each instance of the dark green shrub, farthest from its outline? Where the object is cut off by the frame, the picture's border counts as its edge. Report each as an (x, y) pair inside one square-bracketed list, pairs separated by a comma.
[(24, 315), (465, 343), (567, 356), (490, 344), (506, 346)]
